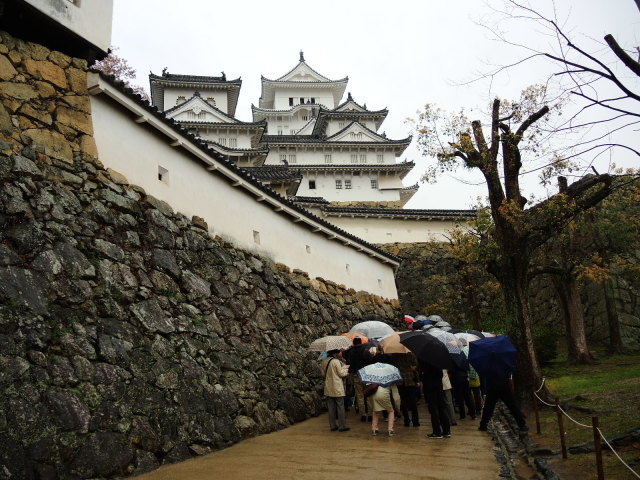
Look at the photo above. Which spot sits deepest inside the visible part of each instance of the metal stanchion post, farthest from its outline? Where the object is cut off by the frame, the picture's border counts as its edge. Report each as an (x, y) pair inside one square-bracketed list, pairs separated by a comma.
[(563, 443), (598, 447)]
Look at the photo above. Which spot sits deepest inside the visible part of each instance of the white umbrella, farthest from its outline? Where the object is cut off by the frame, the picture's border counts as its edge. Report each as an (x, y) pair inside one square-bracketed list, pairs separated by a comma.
[(467, 337), (330, 342), (381, 374), (372, 329)]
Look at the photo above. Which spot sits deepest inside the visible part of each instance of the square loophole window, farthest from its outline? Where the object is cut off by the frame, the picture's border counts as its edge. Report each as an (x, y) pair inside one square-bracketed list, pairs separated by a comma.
[(256, 237), (163, 175), (308, 248)]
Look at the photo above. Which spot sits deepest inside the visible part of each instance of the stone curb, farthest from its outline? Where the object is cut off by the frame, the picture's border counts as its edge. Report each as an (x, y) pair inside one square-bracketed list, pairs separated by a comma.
[(513, 447)]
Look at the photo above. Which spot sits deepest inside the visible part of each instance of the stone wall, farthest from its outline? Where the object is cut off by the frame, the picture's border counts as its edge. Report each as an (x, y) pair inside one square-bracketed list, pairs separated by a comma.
[(428, 283), (129, 337)]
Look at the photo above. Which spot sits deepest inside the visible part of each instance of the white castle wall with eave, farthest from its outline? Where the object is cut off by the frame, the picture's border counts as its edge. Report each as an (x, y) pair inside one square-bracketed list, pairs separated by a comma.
[(90, 19), (171, 174), (386, 230)]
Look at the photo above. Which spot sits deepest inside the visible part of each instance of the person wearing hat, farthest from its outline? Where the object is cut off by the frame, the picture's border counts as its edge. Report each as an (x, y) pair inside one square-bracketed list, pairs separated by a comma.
[(334, 371)]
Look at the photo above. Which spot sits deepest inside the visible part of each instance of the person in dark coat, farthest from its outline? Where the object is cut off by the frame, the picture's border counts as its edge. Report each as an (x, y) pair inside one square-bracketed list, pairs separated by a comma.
[(408, 388), (358, 356), (434, 393), (499, 388), (461, 389)]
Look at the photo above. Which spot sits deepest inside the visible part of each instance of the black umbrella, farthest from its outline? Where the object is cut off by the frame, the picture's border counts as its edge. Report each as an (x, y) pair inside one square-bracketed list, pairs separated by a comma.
[(427, 349)]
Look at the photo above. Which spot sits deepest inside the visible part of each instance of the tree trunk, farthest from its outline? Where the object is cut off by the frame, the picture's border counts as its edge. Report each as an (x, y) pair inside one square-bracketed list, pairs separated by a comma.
[(515, 284), (569, 296), (615, 338), (473, 309)]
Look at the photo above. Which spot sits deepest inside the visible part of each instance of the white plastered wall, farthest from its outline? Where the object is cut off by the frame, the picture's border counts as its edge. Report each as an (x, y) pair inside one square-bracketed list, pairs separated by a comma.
[(91, 19), (387, 230), (137, 152)]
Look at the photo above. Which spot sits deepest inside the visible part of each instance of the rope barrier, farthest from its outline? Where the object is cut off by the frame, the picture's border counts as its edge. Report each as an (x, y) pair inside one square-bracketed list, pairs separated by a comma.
[(616, 454), (585, 426)]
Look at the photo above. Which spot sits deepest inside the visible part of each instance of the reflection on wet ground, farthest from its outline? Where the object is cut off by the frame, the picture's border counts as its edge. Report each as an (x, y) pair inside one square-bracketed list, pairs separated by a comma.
[(309, 450)]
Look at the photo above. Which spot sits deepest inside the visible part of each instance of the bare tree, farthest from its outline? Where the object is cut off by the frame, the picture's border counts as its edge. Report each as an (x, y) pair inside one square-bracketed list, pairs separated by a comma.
[(517, 231), (599, 83)]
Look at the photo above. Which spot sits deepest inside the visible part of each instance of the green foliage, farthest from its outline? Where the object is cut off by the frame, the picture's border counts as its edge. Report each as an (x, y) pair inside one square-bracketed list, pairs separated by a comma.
[(545, 339)]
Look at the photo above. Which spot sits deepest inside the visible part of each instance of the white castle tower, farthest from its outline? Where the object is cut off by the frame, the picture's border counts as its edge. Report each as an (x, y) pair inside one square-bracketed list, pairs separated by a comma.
[(335, 146)]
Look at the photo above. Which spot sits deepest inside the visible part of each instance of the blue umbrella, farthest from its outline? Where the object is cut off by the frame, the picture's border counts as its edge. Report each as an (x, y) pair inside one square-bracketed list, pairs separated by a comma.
[(493, 357), (381, 374)]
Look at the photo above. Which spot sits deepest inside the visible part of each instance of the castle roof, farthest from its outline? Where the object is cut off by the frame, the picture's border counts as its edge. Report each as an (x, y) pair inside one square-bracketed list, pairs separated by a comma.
[(158, 83), (302, 76)]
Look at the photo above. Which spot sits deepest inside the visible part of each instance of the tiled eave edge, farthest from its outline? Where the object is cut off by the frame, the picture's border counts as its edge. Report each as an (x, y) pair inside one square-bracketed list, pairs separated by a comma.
[(215, 163), (406, 214)]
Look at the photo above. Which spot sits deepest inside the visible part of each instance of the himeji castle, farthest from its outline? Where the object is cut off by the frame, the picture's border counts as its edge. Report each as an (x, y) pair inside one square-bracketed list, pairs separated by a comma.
[(311, 146)]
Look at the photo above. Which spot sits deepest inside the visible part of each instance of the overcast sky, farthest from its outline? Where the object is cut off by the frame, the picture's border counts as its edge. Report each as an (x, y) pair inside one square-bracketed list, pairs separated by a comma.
[(397, 54)]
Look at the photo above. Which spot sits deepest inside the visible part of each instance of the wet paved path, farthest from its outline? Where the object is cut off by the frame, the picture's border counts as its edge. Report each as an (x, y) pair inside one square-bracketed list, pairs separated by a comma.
[(308, 450)]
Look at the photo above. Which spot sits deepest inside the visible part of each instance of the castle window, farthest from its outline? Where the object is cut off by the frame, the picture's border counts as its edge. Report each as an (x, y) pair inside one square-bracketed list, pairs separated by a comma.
[(340, 124), (180, 100), (291, 101), (301, 100), (292, 158), (380, 158), (327, 158), (211, 101), (222, 141), (305, 118), (256, 237), (338, 184), (379, 283), (283, 157), (363, 159), (348, 268), (312, 184), (347, 184), (233, 142), (313, 100), (308, 248), (374, 183), (354, 158), (163, 175)]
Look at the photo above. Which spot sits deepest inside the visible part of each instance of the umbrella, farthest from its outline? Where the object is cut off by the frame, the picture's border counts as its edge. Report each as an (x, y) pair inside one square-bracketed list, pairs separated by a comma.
[(468, 337), (330, 342), (488, 334), (477, 333), (427, 349), (391, 344), (454, 347), (372, 329), (449, 339), (381, 374), (409, 319), (435, 318), (493, 357), (351, 336)]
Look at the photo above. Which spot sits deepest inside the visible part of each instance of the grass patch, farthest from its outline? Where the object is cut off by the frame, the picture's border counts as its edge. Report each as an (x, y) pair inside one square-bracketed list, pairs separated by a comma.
[(612, 389)]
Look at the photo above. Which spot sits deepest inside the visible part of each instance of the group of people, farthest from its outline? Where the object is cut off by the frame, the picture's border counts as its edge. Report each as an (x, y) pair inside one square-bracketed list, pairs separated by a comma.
[(443, 390)]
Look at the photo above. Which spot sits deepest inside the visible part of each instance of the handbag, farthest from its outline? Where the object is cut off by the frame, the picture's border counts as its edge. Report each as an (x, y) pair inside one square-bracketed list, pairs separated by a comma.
[(370, 390)]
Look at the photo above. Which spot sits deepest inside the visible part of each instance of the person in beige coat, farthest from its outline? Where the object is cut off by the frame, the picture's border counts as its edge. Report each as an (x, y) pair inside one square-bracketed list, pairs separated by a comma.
[(335, 370)]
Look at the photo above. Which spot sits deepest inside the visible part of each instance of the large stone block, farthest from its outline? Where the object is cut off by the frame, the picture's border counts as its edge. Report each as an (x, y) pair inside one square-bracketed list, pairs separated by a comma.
[(7, 72), (79, 121), (47, 71), (19, 91), (53, 143), (77, 80)]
